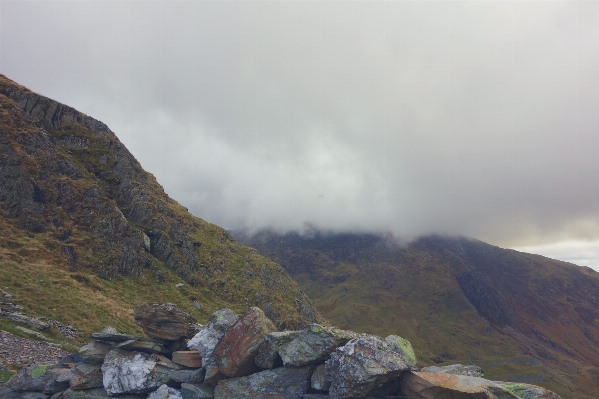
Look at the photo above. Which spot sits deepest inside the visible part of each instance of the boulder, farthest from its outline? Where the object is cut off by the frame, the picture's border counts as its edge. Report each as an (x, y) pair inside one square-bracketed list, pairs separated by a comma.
[(113, 337), (165, 321), (95, 393), (213, 374), (402, 346), (423, 385), (319, 380), (142, 345), (188, 358), (95, 352), (268, 354), (39, 378), (197, 391), (281, 383), (363, 364), (85, 376), (457, 369), (206, 340), (237, 350), (164, 392), (133, 372), (189, 376), (313, 345), (527, 391)]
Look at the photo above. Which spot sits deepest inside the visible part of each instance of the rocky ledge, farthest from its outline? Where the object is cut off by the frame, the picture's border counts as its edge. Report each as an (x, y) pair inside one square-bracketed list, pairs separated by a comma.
[(245, 357)]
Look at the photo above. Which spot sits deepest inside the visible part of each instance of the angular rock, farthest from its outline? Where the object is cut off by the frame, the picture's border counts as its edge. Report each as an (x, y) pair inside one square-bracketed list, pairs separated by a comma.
[(95, 352), (34, 395), (319, 380), (422, 385), (527, 391), (164, 392), (95, 393), (39, 378), (363, 364), (166, 362), (237, 350), (85, 376), (457, 369), (281, 383), (110, 337), (213, 374), (313, 345), (165, 321), (132, 372), (188, 358), (402, 346), (197, 391), (146, 346), (268, 354), (206, 340), (189, 376)]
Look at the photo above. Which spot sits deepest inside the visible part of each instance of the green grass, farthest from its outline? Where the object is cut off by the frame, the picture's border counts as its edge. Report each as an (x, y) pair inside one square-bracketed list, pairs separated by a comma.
[(5, 375)]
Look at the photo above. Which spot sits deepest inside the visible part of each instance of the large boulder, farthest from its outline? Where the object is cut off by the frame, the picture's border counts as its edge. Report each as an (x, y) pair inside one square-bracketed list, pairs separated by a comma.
[(423, 385), (133, 372), (165, 321), (363, 364), (457, 369), (313, 345), (402, 346), (527, 391), (268, 354), (39, 378), (86, 376), (281, 383), (164, 392), (237, 350)]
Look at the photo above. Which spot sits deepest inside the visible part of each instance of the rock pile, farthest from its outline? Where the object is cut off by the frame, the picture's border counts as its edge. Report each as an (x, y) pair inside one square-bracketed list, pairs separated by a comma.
[(245, 358)]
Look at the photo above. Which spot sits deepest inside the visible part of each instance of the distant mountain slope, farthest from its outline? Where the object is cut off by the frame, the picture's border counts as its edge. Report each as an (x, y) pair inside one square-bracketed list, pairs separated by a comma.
[(520, 316), (85, 232)]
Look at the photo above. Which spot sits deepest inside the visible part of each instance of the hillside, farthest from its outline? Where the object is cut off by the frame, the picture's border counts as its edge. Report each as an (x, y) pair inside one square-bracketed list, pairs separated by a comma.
[(86, 233), (521, 317)]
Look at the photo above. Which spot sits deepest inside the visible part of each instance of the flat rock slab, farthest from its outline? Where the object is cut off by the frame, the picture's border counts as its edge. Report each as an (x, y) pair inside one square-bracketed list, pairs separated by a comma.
[(527, 391), (132, 372), (188, 358), (197, 391), (423, 385), (165, 321), (268, 354), (237, 350), (39, 378), (146, 346), (457, 369), (110, 337), (281, 383), (95, 352), (189, 376)]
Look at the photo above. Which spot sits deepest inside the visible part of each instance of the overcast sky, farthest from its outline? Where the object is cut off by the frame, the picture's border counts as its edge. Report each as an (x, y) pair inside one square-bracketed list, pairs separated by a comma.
[(478, 118)]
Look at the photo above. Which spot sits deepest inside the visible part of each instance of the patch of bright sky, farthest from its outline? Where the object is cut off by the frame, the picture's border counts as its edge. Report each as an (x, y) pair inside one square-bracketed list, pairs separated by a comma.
[(581, 253)]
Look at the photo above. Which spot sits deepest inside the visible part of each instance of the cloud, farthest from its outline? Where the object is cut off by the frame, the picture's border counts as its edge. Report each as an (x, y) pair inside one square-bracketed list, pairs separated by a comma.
[(474, 118)]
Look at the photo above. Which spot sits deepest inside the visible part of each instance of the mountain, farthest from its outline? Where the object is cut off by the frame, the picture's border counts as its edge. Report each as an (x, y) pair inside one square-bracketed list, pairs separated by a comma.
[(521, 317), (86, 232)]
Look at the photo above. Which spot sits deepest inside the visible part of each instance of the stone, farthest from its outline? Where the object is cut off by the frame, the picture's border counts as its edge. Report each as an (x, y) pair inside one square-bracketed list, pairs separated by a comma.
[(110, 330), (188, 358), (363, 364), (206, 340), (281, 383), (132, 372), (164, 392), (422, 385), (213, 374), (39, 378), (146, 346), (315, 396), (319, 380), (95, 393), (402, 346), (197, 305), (237, 350), (95, 352), (34, 395), (103, 336), (313, 345), (268, 354), (197, 391), (165, 321), (527, 391), (166, 362), (85, 376), (189, 376), (458, 369)]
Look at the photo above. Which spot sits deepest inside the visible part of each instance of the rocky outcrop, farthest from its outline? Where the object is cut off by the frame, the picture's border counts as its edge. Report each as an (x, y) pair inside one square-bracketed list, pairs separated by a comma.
[(422, 385), (165, 321)]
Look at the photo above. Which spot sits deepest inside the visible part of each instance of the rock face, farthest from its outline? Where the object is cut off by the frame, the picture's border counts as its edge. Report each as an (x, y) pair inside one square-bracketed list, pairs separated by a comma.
[(527, 391), (132, 372), (86, 376), (165, 321), (458, 369), (281, 383), (436, 386), (363, 364), (39, 378), (313, 345), (236, 352), (268, 354)]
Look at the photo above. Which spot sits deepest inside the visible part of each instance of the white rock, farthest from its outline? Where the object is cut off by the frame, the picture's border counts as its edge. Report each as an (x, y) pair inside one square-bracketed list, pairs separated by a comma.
[(131, 372), (164, 392)]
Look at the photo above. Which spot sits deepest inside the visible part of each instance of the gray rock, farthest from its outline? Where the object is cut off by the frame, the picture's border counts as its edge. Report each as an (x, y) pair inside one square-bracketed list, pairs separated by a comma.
[(197, 305), (164, 321), (34, 395), (268, 355), (164, 392), (105, 336), (319, 380), (197, 391), (402, 346), (32, 321), (85, 376), (457, 369), (132, 372), (206, 340), (313, 345), (281, 383), (146, 346), (95, 393), (363, 364), (527, 391), (110, 330), (95, 352), (39, 378), (189, 376), (213, 373), (6, 295)]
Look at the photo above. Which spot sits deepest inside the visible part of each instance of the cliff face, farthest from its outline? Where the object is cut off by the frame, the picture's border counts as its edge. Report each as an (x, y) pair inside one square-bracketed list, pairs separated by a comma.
[(83, 203)]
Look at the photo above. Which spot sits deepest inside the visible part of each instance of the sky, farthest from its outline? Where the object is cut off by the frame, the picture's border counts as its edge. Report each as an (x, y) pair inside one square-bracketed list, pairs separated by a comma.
[(476, 118)]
